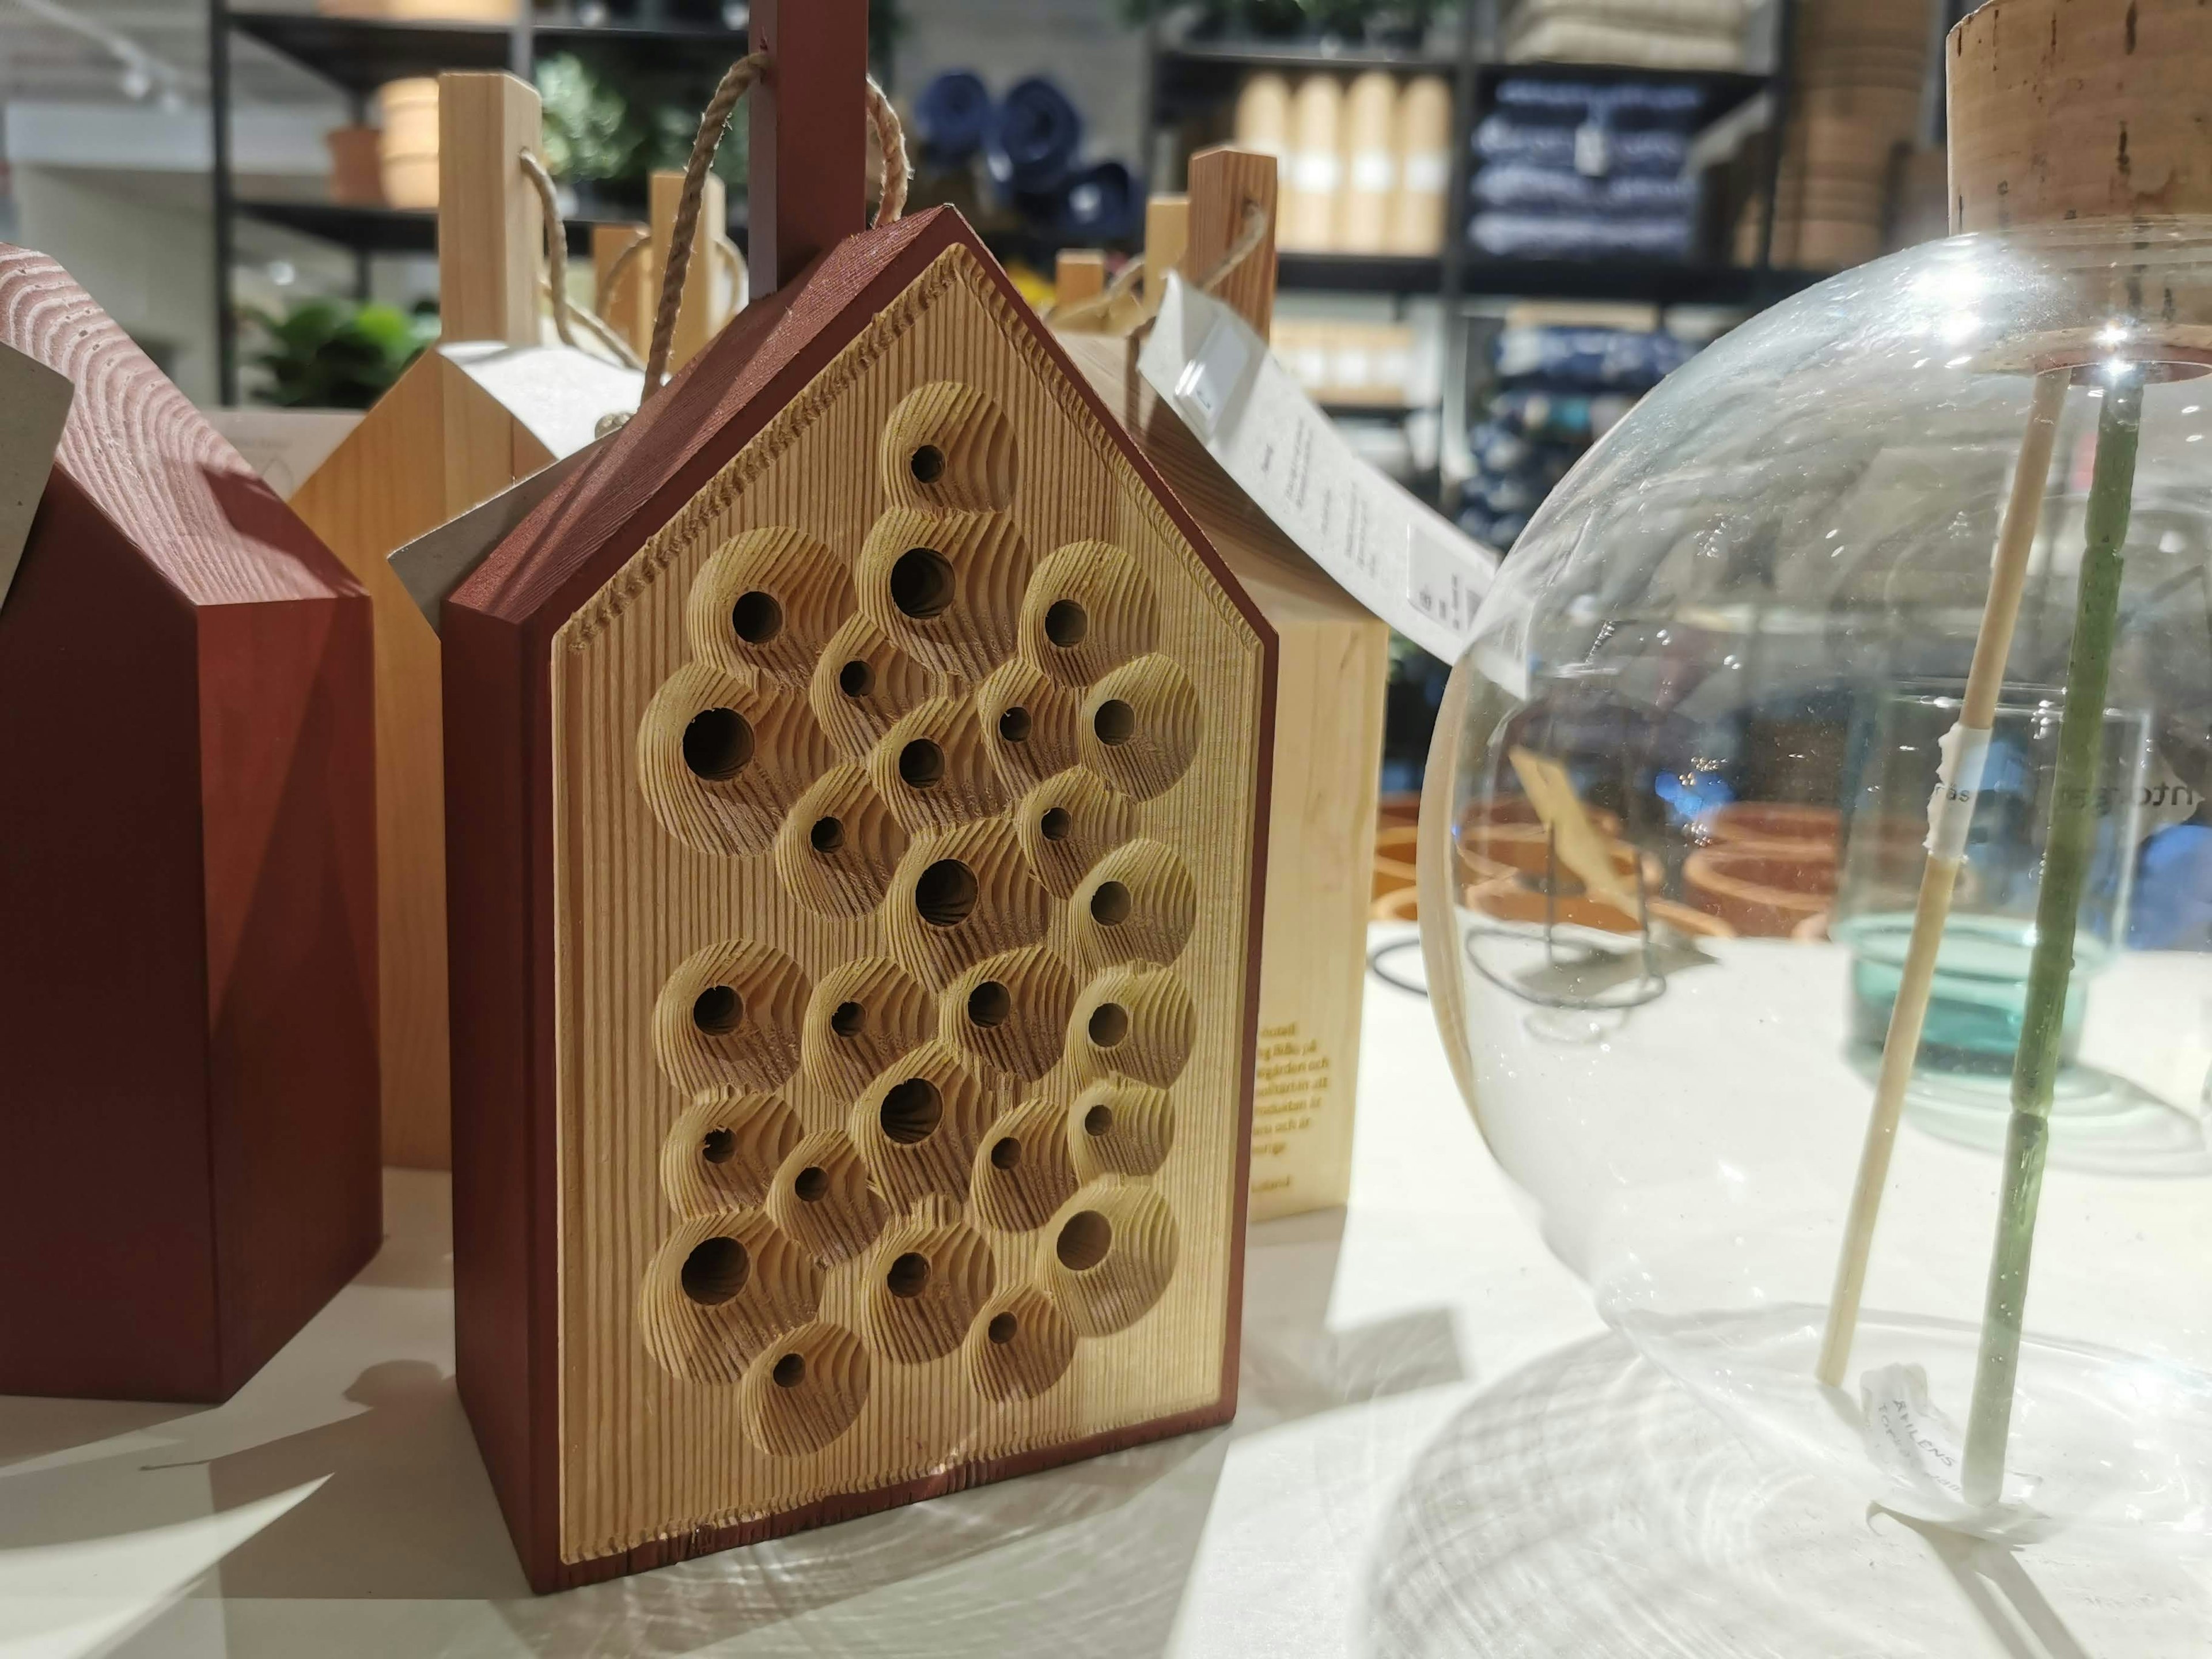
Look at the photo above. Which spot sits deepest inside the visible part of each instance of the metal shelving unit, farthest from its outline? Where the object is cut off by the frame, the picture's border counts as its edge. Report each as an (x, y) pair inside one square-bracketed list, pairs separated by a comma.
[(1191, 77), (356, 56)]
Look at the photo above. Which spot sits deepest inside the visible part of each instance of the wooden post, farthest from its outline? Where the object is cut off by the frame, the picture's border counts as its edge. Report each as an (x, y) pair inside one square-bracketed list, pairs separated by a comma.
[(627, 310), (1078, 275), (809, 115), (697, 318), (1223, 181), (1167, 233), (491, 230)]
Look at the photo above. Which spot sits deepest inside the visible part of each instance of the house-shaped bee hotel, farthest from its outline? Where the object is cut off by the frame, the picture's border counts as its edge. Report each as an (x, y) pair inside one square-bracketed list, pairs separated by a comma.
[(857, 802)]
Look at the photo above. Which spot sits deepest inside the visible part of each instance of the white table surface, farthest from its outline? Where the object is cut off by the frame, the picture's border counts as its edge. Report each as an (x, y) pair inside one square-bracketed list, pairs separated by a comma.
[(1440, 1452)]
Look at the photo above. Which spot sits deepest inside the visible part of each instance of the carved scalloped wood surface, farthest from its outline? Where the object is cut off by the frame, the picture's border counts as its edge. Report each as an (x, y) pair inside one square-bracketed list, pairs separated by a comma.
[(1072, 1291)]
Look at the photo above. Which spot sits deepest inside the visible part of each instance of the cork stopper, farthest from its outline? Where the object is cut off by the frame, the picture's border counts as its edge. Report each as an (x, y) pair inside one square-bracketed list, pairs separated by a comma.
[(2079, 109)]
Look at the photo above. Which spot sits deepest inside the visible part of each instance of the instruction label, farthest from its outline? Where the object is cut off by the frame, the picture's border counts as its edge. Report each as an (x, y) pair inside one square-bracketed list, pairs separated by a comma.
[(1409, 565)]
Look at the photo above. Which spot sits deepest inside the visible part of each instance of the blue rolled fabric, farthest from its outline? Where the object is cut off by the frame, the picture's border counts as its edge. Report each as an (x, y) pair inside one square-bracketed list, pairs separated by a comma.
[(1648, 155), (1102, 203), (952, 117), (1035, 137), (1634, 104), (1515, 185), (1579, 236), (1586, 359)]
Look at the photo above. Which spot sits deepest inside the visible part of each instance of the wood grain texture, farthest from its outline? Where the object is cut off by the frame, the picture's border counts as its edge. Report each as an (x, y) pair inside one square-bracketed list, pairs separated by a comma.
[(491, 229), (1079, 273), (1167, 233), (627, 306), (1333, 677), (699, 315), (189, 889), (2079, 109), (809, 157), (583, 628), (1224, 181), (432, 447)]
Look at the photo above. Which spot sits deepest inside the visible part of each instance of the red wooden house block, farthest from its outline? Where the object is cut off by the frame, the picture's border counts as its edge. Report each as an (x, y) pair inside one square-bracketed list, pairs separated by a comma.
[(857, 784), (187, 896)]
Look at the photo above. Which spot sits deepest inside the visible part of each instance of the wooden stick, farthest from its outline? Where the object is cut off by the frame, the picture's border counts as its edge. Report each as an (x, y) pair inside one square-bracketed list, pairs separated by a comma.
[(1901, 1045), (2069, 848)]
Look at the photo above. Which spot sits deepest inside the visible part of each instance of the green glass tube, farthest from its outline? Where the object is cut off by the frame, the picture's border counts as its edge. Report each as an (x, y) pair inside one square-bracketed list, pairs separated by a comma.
[(2068, 849)]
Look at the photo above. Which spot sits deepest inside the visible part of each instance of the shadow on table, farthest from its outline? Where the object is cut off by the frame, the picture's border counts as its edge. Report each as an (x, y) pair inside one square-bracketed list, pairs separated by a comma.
[(1294, 1365), (404, 1510), (1586, 1505)]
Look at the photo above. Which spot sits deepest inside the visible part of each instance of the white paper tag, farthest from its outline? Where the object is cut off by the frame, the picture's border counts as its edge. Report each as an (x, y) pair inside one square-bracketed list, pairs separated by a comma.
[(34, 402), (1908, 1436), (1958, 782), (284, 446), (1411, 566)]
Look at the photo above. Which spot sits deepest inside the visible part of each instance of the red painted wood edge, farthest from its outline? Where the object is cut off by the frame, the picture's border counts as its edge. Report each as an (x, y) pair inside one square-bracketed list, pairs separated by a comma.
[(497, 644), (809, 156)]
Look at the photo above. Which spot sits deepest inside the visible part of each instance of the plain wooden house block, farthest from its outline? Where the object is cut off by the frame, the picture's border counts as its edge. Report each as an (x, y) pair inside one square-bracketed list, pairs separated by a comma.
[(188, 988), (1334, 667), (490, 404), (857, 804)]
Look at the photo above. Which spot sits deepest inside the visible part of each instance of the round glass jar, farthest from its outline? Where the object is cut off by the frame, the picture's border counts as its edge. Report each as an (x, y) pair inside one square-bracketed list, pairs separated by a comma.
[(1675, 854)]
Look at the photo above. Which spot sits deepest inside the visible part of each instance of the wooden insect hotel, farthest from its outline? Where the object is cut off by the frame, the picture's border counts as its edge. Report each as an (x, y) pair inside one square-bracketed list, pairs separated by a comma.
[(492, 403), (1333, 669), (187, 896), (858, 794)]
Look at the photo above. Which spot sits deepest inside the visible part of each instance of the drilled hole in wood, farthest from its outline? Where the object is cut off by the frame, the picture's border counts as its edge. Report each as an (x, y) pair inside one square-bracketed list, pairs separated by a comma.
[(1099, 1120), (928, 463), (790, 1371), (718, 1147), (911, 1111), (856, 678), (1002, 1327), (1014, 725), (717, 743), (848, 1019), (921, 583), (1116, 722), (1085, 1238), (921, 764), (990, 1004), (1066, 623), (1055, 823), (810, 1184), (945, 894), (1110, 904), (827, 836), (1006, 1153), (1109, 1024), (717, 1010), (715, 1271), (757, 618), (908, 1274)]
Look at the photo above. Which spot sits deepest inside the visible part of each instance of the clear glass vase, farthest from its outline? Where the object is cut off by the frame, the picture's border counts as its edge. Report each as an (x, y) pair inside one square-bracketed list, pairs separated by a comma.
[(1675, 847)]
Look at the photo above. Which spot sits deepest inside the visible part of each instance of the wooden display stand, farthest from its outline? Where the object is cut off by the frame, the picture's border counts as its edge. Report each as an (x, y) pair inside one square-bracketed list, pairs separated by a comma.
[(490, 404), (857, 805), (1335, 668), (187, 896)]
